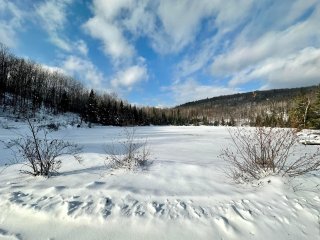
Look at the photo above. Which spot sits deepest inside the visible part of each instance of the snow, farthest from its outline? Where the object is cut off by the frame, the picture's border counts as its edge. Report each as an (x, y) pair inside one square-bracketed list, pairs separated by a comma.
[(310, 137), (184, 194)]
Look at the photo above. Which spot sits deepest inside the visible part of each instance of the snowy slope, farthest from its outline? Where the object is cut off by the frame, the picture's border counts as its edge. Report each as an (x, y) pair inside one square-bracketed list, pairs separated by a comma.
[(184, 195)]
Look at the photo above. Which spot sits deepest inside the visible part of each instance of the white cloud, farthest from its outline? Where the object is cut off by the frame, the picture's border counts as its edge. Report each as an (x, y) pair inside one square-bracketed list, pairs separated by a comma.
[(52, 69), (107, 26), (196, 61), (7, 35), (179, 23), (53, 17), (192, 90), (276, 54), (295, 70), (169, 25), (82, 47), (296, 9), (259, 39), (52, 14), (141, 19), (129, 77), (114, 44), (84, 70), (227, 19), (181, 20), (11, 18), (272, 44)]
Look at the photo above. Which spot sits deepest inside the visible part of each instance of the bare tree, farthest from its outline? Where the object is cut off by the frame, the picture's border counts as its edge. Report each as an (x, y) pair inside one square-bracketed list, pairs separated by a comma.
[(261, 151), (39, 153), (131, 153), (306, 112)]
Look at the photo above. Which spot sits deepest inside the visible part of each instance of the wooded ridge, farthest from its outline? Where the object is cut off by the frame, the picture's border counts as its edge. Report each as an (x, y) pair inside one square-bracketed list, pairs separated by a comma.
[(26, 86)]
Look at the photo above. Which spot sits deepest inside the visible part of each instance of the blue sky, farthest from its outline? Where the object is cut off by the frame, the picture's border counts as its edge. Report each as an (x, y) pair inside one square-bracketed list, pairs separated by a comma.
[(167, 52)]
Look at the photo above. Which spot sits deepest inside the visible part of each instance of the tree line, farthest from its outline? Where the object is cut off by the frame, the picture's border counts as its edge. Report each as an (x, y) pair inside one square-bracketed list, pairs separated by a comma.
[(26, 86), (296, 107)]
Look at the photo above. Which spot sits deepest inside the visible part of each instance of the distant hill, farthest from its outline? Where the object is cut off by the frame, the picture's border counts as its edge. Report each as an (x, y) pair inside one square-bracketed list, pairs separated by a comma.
[(245, 106), (249, 97)]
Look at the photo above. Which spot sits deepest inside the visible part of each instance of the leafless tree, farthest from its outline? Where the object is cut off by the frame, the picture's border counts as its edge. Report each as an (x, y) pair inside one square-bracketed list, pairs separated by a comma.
[(261, 151), (39, 153), (131, 153), (306, 112)]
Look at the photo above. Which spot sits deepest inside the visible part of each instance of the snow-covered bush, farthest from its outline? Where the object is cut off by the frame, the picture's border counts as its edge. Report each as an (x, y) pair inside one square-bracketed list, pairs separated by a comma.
[(39, 153), (258, 152), (129, 154)]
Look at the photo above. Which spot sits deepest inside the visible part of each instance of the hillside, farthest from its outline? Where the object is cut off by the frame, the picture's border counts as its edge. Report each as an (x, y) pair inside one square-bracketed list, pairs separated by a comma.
[(251, 97), (246, 106)]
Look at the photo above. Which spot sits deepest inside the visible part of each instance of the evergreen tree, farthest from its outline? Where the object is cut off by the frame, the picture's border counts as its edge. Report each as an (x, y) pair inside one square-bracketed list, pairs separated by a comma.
[(300, 113), (120, 115), (65, 102), (232, 122), (223, 123), (205, 120), (314, 114), (109, 113), (103, 113), (92, 108), (259, 121)]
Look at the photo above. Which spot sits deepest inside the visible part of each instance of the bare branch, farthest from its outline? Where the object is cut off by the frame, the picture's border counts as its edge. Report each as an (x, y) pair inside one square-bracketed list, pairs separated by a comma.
[(130, 154), (41, 154), (257, 152)]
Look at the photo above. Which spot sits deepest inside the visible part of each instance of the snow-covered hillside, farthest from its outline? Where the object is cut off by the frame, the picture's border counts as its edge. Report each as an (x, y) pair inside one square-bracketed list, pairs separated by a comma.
[(183, 195)]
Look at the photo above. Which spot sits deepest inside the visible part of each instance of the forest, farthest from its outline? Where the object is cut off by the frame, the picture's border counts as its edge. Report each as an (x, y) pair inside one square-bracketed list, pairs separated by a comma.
[(26, 86)]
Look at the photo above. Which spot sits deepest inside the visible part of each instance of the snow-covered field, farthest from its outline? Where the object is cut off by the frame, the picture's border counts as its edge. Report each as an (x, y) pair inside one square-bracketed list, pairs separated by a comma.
[(183, 195)]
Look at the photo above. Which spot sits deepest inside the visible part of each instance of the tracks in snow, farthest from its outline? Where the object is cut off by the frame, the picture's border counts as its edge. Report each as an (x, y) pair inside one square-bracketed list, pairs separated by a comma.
[(129, 206)]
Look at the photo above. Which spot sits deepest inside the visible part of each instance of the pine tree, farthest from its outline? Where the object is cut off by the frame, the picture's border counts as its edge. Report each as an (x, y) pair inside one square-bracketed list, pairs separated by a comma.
[(120, 115), (92, 108), (103, 112), (314, 115), (65, 102), (222, 122), (232, 122), (300, 113), (259, 121)]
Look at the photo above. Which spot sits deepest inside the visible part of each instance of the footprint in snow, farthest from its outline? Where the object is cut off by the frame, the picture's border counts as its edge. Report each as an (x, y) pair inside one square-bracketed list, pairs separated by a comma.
[(19, 197), (10, 236), (107, 208), (128, 206), (244, 214), (158, 207), (88, 207), (73, 206), (182, 205)]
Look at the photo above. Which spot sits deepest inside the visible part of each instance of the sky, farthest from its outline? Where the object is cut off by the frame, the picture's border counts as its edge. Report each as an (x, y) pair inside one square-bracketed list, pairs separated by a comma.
[(168, 52)]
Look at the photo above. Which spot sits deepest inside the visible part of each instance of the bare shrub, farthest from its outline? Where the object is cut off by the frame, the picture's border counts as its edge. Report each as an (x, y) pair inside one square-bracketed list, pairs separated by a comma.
[(41, 153), (261, 151), (131, 153)]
